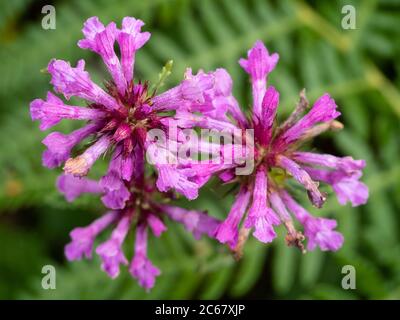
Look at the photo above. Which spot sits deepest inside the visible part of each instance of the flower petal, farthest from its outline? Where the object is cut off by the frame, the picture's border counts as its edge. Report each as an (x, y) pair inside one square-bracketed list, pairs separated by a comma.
[(227, 231), (141, 267), (83, 238), (258, 65), (76, 82)]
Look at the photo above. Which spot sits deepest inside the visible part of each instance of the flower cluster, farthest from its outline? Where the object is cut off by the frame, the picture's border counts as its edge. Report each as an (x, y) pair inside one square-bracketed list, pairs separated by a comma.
[(120, 117), (263, 200), (147, 209), (117, 121)]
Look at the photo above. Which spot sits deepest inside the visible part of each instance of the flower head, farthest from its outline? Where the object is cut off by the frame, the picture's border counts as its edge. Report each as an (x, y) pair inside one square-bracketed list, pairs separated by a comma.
[(120, 115), (143, 210), (263, 200), (128, 120), (119, 118)]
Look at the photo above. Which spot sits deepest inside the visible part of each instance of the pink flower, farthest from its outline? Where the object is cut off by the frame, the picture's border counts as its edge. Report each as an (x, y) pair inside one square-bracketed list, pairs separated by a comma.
[(227, 232), (118, 119), (51, 111), (196, 222), (346, 185), (83, 238), (319, 231), (258, 65), (59, 145), (110, 251), (72, 187), (141, 267), (120, 115), (276, 159), (260, 216)]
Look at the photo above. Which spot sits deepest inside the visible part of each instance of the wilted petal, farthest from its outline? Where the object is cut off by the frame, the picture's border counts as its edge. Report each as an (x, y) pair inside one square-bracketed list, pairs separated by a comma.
[(319, 231), (317, 198), (293, 237), (80, 165)]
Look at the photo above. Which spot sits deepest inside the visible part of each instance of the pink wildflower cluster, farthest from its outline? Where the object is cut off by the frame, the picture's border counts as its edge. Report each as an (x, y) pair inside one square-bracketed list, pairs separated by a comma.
[(118, 119)]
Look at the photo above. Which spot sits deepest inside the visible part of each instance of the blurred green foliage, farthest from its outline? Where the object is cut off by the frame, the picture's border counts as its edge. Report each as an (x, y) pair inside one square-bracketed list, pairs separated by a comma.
[(360, 68)]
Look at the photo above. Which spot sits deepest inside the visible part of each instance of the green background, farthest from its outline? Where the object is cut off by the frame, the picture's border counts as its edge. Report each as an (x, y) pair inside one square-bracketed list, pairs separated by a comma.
[(360, 68)]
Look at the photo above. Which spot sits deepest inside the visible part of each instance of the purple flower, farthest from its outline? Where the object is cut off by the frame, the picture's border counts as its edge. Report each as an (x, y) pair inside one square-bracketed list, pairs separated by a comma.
[(227, 231), (81, 165), (293, 237), (346, 186), (347, 164), (59, 145), (83, 238), (258, 65), (115, 183), (101, 39), (141, 267), (130, 39), (149, 214), (276, 158), (110, 251), (119, 116), (260, 216), (194, 221), (263, 124), (319, 231), (191, 91), (119, 119), (72, 187), (323, 110), (156, 225), (51, 111), (170, 177), (76, 82)]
